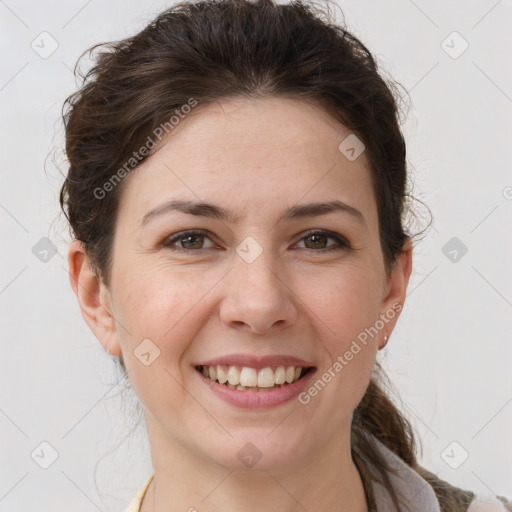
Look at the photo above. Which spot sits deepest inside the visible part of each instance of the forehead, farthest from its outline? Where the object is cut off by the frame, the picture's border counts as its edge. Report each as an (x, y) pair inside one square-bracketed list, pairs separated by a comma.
[(252, 154)]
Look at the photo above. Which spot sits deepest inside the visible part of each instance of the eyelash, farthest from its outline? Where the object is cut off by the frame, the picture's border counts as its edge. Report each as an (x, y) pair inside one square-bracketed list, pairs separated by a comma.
[(343, 243)]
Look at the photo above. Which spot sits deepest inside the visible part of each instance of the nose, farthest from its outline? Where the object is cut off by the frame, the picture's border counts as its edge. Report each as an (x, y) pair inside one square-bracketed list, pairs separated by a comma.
[(257, 297)]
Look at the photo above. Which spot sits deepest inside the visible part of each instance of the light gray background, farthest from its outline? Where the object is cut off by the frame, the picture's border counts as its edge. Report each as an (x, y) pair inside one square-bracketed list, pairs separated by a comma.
[(450, 356)]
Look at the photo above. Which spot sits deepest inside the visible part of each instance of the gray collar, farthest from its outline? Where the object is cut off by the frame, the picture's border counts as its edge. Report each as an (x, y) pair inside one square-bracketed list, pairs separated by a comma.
[(414, 493)]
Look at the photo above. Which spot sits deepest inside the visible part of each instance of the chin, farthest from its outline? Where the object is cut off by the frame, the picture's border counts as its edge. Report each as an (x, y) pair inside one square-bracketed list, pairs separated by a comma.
[(257, 452)]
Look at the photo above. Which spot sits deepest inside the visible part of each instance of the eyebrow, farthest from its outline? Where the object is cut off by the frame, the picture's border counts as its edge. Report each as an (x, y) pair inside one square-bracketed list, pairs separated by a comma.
[(209, 210)]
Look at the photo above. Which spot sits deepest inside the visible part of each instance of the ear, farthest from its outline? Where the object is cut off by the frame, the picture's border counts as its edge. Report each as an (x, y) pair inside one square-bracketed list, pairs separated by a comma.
[(93, 297), (395, 291)]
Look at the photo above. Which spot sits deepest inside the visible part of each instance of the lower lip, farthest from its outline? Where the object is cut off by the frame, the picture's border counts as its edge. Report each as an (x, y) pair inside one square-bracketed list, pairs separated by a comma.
[(257, 399)]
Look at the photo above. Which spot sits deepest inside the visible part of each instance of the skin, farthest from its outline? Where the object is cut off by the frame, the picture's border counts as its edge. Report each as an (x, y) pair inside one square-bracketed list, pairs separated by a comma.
[(256, 157)]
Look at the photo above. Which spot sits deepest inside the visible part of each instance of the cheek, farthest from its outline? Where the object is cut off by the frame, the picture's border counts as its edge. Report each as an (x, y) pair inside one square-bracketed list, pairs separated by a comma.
[(161, 308), (346, 305), (344, 314), (159, 319)]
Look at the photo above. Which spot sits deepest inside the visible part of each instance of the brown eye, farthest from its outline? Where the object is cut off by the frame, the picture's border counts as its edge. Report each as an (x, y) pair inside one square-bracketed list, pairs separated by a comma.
[(189, 240), (193, 241), (318, 240)]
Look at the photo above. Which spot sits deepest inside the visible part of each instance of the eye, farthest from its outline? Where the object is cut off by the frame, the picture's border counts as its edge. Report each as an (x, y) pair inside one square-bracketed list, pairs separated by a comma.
[(192, 239), (318, 239), (315, 240)]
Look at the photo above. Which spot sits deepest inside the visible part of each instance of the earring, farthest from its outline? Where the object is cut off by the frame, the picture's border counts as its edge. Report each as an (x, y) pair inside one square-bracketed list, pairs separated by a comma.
[(385, 341), (108, 352)]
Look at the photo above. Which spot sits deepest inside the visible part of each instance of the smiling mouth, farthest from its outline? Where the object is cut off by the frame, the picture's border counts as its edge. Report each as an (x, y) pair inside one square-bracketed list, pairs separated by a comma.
[(252, 379)]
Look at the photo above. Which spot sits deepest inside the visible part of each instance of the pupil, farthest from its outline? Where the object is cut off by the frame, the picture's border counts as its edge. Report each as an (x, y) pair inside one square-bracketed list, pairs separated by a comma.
[(189, 237), (315, 239)]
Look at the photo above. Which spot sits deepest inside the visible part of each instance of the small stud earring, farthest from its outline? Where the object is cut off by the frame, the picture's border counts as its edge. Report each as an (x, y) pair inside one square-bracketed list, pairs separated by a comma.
[(385, 341), (108, 352)]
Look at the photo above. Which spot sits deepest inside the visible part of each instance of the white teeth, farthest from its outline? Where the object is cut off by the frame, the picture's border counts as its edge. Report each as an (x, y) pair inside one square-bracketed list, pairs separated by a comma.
[(250, 379), (222, 376), (233, 376), (266, 378), (280, 375)]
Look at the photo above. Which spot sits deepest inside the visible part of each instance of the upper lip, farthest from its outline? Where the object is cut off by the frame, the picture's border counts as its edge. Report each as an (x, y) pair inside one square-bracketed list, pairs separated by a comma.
[(257, 362)]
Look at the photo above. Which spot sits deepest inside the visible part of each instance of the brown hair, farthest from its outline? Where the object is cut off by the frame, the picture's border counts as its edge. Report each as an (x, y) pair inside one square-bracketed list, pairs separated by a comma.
[(211, 50)]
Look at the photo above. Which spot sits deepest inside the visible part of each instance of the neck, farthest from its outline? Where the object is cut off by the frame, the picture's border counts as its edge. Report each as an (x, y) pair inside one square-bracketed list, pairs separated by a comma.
[(183, 480)]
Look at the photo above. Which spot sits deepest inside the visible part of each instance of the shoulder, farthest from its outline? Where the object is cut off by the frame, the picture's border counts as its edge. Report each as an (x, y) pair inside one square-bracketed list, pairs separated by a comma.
[(454, 499)]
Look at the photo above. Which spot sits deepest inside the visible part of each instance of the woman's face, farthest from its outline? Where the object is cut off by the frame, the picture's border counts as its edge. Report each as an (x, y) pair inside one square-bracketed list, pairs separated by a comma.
[(258, 284)]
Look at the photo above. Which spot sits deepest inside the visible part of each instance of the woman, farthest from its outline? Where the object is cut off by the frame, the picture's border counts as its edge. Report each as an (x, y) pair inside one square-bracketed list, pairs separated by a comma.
[(236, 190)]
